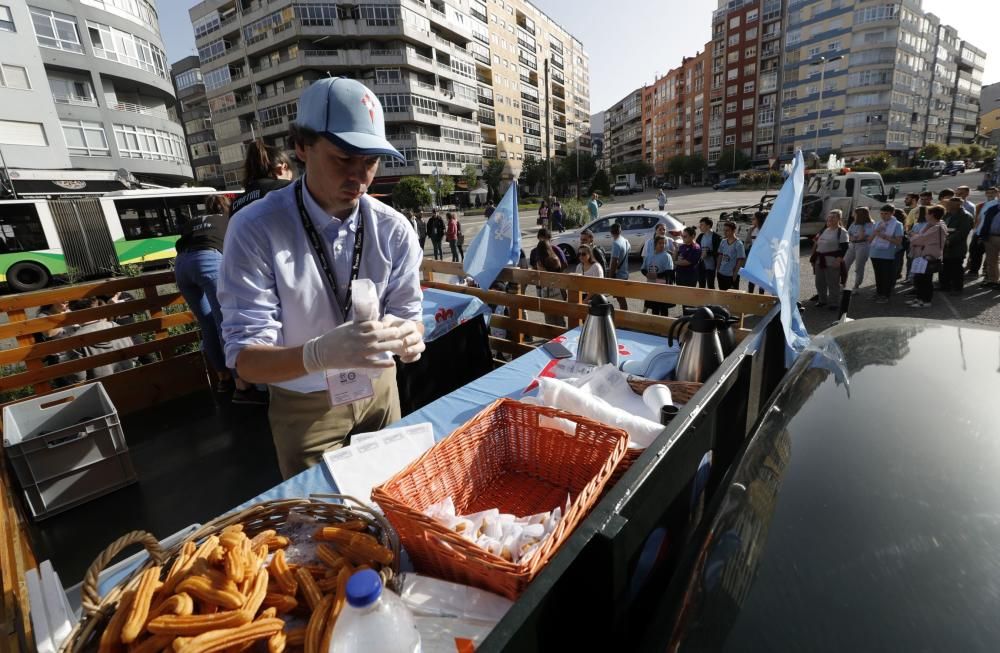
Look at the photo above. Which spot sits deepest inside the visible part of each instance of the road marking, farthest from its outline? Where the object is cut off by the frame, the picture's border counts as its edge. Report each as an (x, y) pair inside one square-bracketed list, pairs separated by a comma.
[(951, 307)]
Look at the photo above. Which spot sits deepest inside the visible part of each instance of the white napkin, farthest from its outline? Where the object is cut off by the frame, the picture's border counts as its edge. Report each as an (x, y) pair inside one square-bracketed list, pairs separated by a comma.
[(561, 395)]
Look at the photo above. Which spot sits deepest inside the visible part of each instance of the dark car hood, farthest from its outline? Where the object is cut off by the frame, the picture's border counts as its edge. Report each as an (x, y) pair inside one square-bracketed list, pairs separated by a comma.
[(865, 514)]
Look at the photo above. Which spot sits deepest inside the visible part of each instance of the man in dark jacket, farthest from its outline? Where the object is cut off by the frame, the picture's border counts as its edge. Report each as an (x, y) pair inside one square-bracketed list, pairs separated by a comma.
[(959, 224), (435, 231)]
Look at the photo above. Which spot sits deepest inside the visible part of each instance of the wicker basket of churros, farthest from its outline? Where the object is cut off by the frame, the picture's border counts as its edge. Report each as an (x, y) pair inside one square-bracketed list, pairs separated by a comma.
[(269, 578)]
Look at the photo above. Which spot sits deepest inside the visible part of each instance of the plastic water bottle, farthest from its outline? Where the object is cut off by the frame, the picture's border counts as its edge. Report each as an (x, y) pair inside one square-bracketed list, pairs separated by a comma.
[(374, 620)]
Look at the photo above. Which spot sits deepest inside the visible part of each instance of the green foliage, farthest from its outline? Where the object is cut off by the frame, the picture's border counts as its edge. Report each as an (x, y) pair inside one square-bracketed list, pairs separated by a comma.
[(411, 193), (951, 154), (932, 152), (492, 176), (575, 213), (975, 152), (131, 270), (678, 165), (442, 185), (14, 393), (962, 151), (534, 172), (587, 166), (640, 169), (729, 156), (878, 162), (600, 183), (897, 175), (696, 165), (761, 179), (470, 174)]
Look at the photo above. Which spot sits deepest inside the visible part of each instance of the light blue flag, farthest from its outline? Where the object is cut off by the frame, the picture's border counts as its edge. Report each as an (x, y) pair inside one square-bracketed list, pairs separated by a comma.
[(497, 244), (773, 263)]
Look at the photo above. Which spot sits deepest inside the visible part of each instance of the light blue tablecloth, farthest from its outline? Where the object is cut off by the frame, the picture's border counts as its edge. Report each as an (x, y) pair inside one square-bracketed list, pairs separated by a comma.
[(451, 411), (443, 311)]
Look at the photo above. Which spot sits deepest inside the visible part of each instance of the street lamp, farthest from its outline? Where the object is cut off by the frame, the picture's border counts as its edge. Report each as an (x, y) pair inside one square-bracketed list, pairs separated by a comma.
[(821, 62)]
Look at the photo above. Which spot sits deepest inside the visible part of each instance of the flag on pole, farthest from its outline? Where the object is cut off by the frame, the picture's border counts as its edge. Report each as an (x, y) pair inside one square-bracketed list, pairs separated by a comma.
[(773, 263), (497, 244)]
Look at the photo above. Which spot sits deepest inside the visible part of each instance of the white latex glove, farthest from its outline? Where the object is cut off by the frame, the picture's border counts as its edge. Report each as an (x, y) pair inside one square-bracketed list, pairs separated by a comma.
[(413, 340), (353, 345)]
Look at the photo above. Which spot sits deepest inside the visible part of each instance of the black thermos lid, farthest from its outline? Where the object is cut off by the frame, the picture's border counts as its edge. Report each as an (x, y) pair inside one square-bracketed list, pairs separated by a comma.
[(601, 306)]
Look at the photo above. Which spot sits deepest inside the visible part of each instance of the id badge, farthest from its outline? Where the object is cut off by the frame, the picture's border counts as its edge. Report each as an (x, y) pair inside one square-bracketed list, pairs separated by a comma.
[(348, 386)]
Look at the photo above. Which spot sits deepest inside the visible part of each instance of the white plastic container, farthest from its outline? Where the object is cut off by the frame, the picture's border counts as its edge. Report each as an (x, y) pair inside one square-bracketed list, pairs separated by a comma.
[(374, 620)]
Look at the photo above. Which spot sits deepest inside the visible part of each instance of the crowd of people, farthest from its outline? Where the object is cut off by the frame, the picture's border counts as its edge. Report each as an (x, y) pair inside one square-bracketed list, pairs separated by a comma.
[(910, 246)]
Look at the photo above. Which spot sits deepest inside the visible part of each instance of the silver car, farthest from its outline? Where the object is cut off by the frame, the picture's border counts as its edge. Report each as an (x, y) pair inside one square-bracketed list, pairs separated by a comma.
[(637, 227)]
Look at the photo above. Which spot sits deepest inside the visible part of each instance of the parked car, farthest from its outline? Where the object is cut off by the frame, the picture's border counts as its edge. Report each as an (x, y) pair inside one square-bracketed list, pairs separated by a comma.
[(668, 186), (954, 167), (726, 184), (637, 227)]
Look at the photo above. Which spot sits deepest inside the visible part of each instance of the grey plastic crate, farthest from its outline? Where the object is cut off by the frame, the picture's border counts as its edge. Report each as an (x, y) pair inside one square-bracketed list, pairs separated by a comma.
[(66, 448)]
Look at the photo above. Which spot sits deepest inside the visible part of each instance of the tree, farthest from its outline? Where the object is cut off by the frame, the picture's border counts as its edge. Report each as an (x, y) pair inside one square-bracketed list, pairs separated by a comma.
[(443, 185), (878, 162), (932, 152), (411, 193), (731, 155), (678, 165), (533, 173), (950, 154), (600, 183), (696, 165), (470, 174), (962, 151), (587, 166), (975, 152), (493, 175)]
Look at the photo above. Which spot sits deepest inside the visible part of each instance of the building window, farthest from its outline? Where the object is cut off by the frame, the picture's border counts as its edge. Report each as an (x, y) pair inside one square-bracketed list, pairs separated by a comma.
[(115, 45), (814, 52), (833, 47), (56, 30), (85, 138), (750, 52), (72, 91), (734, 22), (15, 132), (734, 40), (188, 78), (751, 15), (748, 103), (146, 143), (747, 137), (751, 34), (748, 87), (14, 77), (731, 139), (388, 76), (6, 19), (730, 107)]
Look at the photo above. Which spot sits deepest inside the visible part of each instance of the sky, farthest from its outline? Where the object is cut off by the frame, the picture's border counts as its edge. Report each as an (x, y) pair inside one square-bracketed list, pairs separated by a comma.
[(639, 39)]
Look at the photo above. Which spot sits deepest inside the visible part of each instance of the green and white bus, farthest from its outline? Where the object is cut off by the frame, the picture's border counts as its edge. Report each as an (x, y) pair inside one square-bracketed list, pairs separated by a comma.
[(41, 239)]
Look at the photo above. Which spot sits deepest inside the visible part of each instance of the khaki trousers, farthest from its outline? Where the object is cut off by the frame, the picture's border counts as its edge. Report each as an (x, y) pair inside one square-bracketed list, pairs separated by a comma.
[(992, 258), (303, 425)]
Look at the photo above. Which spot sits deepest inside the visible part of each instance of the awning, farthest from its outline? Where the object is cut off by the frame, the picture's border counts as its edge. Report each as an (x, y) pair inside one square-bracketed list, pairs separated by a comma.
[(43, 188)]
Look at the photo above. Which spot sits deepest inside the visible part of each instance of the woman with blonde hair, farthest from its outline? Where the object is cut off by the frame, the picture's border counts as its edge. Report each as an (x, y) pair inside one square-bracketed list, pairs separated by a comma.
[(858, 236)]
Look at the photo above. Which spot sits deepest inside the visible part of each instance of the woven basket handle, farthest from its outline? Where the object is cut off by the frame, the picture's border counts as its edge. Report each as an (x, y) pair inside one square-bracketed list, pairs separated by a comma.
[(90, 598)]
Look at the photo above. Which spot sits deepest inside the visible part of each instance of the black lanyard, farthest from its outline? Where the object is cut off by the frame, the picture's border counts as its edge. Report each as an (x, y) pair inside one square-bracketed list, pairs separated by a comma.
[(320, 251)]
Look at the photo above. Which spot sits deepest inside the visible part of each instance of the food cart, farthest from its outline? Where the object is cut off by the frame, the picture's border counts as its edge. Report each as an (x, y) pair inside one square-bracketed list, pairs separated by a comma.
[(593, 574)]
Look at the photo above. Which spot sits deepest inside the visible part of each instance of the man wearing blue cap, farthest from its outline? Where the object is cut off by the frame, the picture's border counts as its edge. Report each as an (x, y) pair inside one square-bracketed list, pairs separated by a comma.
[(285, 288)]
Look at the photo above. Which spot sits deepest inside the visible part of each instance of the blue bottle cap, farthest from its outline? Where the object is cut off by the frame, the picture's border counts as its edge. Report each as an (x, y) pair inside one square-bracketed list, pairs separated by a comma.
[(364, 588)]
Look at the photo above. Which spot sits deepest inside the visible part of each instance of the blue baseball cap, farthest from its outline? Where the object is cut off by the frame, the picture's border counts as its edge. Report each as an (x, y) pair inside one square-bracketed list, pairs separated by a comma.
[(348, 114)]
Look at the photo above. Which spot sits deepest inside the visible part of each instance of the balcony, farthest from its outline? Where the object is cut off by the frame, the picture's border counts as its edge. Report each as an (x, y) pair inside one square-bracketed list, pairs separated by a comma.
[(158, 112), (489, 151), (75, 100), (771, 35), (530, 112), (486, 101)]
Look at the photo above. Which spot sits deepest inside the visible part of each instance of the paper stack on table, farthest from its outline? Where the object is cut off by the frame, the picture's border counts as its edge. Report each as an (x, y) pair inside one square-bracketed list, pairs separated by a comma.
[(373, 458)]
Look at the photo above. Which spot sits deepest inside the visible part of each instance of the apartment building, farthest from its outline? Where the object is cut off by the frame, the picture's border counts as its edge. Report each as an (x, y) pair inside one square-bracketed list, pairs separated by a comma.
[(458, 82), (869, 76), (623, 130), (674, 113), (84, 86), (743, 97), (989, 113), (529, 68), (193, 110)]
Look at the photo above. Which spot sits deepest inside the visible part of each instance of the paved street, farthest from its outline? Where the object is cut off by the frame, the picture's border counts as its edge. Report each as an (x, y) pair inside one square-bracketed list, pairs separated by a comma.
[(975, 304)]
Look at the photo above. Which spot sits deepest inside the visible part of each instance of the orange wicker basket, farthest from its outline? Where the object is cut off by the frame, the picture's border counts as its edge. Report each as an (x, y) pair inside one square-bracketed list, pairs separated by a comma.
[(503, 458)]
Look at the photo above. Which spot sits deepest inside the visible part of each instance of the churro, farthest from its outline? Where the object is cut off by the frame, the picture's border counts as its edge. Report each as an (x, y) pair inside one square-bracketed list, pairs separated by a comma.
[(138, 610), (282, 575), (220, 640)]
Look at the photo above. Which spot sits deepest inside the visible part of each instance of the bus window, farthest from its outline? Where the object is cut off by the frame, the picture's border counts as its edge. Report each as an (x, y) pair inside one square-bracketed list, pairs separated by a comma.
[(20, 228), (144, 217), (182, 209)]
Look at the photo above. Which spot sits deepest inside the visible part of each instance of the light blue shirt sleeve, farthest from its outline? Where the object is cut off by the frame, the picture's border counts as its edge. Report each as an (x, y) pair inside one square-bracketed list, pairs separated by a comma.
[(246, 290), (403, 297), (741, 250)]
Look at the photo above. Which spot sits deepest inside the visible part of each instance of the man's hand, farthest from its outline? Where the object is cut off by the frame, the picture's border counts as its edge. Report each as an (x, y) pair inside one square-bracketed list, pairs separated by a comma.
[(411, 335), (353, 345)]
